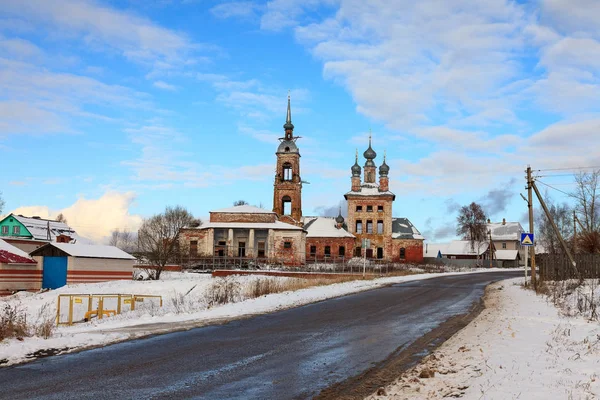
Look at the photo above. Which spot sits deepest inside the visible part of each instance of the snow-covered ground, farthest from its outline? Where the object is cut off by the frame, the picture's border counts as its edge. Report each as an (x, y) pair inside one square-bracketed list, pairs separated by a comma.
[(186, 304), (520, 347)]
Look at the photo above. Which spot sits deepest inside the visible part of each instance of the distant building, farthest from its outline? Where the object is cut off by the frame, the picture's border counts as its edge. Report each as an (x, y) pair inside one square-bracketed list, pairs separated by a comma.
[(30, 233), (465, 250), (18, 270), (284, 234), (507, 236)]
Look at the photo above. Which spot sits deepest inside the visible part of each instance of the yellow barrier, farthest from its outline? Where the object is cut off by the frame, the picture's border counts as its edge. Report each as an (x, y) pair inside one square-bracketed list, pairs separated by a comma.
[(100, 312)]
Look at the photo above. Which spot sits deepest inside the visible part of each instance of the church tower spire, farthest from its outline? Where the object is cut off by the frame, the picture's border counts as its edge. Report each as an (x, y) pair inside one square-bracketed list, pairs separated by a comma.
[(287, 191), (370, 155)]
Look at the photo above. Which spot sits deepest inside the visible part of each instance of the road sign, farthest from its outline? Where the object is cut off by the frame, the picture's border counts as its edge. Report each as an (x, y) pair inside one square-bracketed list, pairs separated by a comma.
[(526, 239), (366, 243)]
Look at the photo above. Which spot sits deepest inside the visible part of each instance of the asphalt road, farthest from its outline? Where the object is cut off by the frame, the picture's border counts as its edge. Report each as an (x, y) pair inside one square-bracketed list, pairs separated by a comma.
[(291, 354)]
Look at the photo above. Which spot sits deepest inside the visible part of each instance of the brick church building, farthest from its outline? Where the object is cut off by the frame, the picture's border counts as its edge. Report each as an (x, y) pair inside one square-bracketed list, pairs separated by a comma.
[(286, 235)]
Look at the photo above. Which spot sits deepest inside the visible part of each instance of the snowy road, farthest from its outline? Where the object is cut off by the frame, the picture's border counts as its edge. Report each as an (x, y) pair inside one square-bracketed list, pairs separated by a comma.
[(285, 355)]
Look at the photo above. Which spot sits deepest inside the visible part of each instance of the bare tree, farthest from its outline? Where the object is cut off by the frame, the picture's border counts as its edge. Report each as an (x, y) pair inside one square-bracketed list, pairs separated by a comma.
[(124, 240), (61, 218), (587, 201), (240, 203), (471, 223), (158, 238), (1, 203), (562, 214)]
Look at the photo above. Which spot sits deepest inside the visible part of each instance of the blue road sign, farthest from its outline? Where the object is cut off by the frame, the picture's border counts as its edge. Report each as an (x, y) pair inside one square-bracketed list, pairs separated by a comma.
[(526, 239)]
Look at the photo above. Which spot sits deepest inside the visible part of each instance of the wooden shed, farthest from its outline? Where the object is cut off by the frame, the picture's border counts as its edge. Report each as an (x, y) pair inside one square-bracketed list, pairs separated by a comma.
[(65, 263), (18, 271)]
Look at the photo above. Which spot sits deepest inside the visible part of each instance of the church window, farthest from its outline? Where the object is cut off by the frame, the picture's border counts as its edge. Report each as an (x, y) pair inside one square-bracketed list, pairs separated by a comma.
[(369, 208), (358, 226), (380, 253), (342, 251), (358, 208), (380, 208), (242, 249), (380, 227), (313, 251), (287, 245), (287, 172), (327, 251), (402, 253), (287, 149), (286, 205), (193, 247), (369, 226), (357, 252), (503, 245), (261, 249)]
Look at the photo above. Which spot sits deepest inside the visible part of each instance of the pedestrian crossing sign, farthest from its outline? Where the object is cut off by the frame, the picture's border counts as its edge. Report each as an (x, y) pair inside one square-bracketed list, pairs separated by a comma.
[(526, 239)]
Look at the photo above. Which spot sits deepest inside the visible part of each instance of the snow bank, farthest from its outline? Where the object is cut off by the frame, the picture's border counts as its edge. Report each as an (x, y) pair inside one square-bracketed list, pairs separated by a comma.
[(520, 346)]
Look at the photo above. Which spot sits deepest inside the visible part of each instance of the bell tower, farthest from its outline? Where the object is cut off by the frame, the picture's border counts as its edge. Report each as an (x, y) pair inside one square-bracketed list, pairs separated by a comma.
[(287, 192)]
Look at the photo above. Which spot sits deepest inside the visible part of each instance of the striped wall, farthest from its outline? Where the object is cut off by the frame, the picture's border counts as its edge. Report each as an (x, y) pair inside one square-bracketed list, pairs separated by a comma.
[(88, 270), (16, 277)]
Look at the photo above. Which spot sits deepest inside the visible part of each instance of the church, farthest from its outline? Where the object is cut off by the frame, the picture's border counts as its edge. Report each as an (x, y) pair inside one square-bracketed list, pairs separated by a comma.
[(285, 235)]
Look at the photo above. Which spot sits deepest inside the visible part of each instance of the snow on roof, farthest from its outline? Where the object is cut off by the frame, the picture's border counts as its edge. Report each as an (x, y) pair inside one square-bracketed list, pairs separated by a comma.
[(245, 209), (324, 227), (38, 228), (10, 254), (370, 189), (402, 228), (278, 225), (432, 249), (463, 248), (89, 251), (506, 255), (508, 231)]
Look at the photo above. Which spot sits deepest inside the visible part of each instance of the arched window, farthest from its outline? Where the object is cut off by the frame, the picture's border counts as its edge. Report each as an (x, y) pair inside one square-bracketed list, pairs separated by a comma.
[(286, 205), (402, 253), (287, 171)]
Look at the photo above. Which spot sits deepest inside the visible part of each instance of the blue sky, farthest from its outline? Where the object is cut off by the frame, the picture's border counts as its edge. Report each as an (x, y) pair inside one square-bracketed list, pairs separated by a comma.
[(111, 110)]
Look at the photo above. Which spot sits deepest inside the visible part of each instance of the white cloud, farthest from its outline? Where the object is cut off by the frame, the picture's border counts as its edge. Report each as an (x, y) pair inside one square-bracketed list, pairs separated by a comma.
[(164, 86), (93, 218), (102, 27), (235, 9)]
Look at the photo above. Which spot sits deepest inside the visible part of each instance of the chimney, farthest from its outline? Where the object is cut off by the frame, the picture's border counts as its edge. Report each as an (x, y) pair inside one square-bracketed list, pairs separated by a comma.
[(503, 221)]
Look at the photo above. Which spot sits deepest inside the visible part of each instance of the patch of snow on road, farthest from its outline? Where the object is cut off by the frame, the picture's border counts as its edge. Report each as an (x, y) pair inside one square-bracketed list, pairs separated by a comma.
[(519, 347)]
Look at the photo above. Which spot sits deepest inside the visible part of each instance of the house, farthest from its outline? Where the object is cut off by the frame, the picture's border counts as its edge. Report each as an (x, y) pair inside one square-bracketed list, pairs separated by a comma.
[(463, 250), (507, 236), (18, 271), (435, 250), (507, 258), (248, 232), (67, 263), (327, 239), (30, 233)]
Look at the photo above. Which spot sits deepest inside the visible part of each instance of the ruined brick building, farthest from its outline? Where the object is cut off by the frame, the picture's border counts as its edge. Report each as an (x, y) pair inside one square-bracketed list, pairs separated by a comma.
[(287, 236)]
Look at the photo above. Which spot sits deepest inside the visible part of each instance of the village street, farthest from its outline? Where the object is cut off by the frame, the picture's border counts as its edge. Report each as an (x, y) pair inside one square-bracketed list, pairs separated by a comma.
[(289, 354)]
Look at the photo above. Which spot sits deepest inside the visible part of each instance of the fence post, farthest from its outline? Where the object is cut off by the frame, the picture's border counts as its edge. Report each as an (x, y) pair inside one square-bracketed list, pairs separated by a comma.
[(70, 310), (58, 311)]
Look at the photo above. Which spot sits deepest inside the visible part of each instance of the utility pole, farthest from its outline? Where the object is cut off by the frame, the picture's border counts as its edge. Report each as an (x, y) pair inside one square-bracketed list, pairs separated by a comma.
[(530, 206), (560, 238), (574, 232), (491, 253)]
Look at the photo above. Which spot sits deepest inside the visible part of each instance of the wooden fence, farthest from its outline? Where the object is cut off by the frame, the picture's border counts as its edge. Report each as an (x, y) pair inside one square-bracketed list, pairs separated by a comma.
[(558, 267)]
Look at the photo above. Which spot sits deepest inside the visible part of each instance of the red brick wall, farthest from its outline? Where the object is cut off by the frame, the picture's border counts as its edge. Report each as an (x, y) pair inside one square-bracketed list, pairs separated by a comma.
[(334, 243), (413, 250)]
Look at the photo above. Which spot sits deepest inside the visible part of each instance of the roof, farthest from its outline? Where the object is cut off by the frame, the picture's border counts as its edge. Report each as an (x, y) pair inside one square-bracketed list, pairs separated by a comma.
[(244, 209), (88, 251), (277, 225), (324, 227), (402, 228), (508, 231), (38, 227), (370, 189), (10, 254), (432, 249), (463, 248), (506, 255)]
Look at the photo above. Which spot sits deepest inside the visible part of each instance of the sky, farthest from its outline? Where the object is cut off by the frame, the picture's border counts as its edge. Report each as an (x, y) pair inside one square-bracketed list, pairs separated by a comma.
[(112, 110)]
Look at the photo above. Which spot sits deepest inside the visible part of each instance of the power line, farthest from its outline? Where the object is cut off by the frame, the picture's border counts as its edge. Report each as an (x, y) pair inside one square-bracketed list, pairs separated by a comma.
[(569, 169), (552, 187)]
